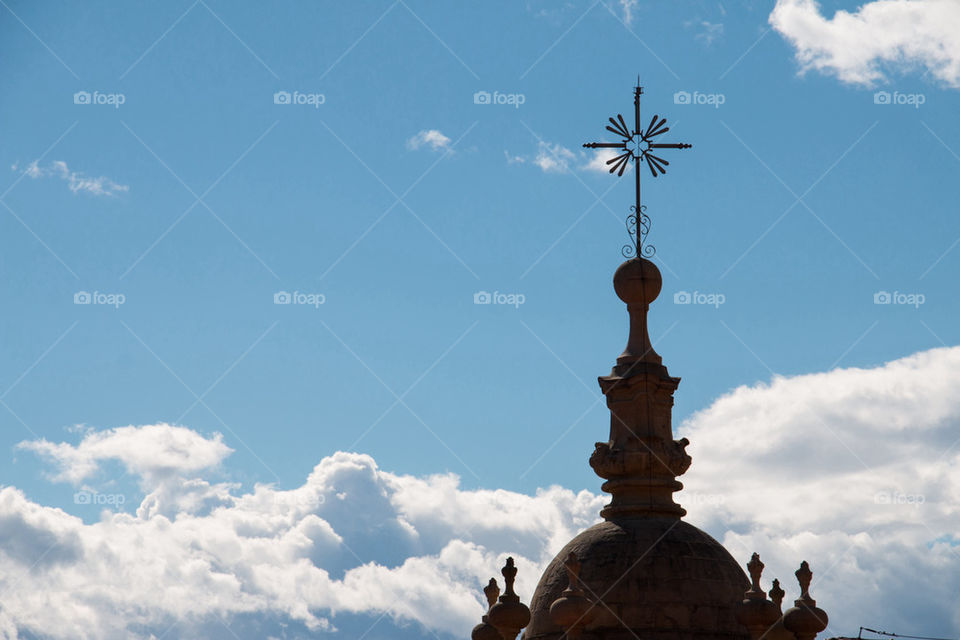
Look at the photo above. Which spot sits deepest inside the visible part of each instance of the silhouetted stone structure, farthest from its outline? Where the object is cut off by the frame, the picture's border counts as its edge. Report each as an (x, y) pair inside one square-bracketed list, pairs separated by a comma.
[(644, 572)]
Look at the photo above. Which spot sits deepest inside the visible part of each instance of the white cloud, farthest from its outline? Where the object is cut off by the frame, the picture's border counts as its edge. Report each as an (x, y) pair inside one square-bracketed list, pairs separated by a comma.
[(152, 452), (553, 157), (707, 32), (353, 539), (511, 159), (881, 35), (598, 160), (854, 470), (627, 6), (76, 181), (432, 138)]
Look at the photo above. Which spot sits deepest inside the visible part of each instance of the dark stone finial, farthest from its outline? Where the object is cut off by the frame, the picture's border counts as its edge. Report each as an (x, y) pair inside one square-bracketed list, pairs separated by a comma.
[(777, 594), (755, 567), (572, 611), (509, 572), (804, 576), (492, 592), (755, 612), (509, 615), (485, 630), (805, 619)]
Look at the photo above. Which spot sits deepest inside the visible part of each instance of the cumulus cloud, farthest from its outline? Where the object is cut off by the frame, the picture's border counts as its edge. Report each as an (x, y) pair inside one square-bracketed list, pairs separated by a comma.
[(151, 452), (351, 540), (881, 35), (854, 470), (76, 181), (432, 138)]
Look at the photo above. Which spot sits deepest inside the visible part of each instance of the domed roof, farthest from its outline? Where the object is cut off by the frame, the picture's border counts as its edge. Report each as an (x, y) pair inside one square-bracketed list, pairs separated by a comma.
[(657, 577)]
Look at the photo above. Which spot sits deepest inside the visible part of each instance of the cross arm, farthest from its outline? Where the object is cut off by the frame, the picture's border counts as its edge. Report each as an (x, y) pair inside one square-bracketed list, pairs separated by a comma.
[(604, 145)]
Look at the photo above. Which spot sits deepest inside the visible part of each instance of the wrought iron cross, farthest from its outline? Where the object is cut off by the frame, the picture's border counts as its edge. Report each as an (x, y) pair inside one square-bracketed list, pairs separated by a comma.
[(637, 145)]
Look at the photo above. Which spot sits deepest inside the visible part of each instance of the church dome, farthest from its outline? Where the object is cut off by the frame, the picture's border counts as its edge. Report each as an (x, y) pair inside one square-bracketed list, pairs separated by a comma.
[(660, 575)]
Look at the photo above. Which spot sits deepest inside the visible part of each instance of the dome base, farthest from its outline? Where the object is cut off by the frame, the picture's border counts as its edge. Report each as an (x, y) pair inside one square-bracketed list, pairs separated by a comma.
[(658, 579)]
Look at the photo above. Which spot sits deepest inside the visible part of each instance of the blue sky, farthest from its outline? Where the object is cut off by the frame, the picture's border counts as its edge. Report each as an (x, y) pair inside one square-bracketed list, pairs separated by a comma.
[(392, 197)]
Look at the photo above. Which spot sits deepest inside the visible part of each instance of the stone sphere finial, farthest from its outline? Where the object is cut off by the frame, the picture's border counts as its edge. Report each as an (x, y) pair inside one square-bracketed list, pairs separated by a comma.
[(805, 619), (637, 281), (509, 615), (755, 612)]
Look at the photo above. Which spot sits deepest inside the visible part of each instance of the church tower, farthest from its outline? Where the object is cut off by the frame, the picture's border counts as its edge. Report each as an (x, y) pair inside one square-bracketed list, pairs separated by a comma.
[(655, 574), (644, 572)]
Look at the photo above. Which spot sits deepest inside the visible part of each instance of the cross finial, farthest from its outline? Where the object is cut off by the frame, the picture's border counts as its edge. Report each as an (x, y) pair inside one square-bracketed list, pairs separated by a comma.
[(637, 145)]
